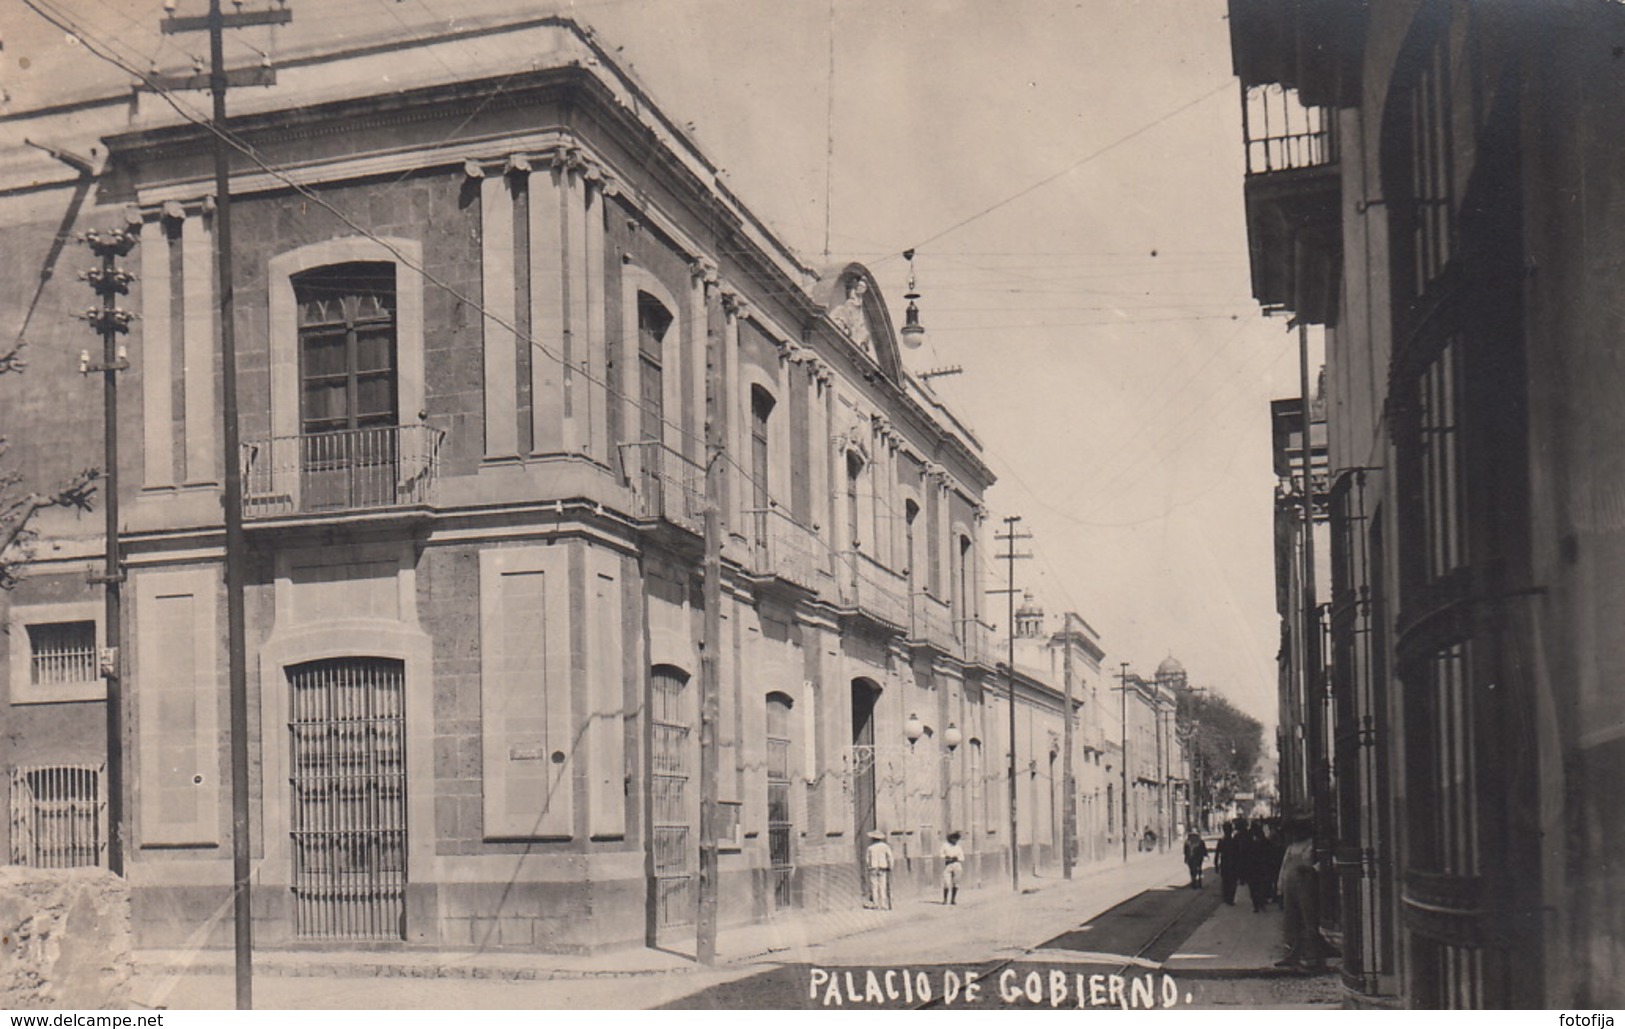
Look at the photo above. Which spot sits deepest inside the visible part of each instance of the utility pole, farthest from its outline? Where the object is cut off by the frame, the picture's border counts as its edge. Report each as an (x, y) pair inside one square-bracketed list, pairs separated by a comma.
[(705, 924), (1069, 810), (1010, 536), (1123, 758), (218, 81), (111, 321)]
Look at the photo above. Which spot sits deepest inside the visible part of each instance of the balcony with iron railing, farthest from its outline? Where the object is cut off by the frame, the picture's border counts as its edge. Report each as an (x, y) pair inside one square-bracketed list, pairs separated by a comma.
[(352, 470), (666, 486), (1294, 196), (786, 551), (931, 621), (1282, 133), (977, 643), (871, 589)]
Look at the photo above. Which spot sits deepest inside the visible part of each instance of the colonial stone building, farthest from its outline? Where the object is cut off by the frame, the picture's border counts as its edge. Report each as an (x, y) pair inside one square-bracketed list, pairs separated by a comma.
[(473, 316)]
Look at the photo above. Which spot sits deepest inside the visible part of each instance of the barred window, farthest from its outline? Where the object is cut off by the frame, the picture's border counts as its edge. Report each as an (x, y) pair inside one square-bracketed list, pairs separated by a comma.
[(62, 652), (58, 816)]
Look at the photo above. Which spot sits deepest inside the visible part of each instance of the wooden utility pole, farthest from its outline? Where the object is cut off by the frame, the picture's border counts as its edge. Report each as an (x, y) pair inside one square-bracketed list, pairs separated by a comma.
[(218, 81), (705, 923), (1010, 536), (1069, 808)]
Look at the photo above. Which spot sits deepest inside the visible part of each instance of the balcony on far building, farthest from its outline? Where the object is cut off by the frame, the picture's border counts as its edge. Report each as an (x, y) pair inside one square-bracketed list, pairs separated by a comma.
[(667, 487), (931, 621), (873, 591), (1294, 197), (977, 643), (786, 551), (342, 472)]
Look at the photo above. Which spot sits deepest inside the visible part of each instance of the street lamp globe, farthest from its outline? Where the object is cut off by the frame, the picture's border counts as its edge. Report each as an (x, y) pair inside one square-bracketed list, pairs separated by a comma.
[(913, 729)]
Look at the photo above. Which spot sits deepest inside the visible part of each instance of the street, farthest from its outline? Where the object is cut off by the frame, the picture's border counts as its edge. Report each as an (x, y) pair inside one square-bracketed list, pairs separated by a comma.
[(1118, 935)]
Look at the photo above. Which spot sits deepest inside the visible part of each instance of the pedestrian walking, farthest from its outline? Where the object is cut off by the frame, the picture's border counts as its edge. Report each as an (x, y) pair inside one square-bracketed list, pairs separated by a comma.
[(1256, 866), (1274, 851), (1306, 948), (879, 860), (1228, 865), (953, 866), (1195, 857)]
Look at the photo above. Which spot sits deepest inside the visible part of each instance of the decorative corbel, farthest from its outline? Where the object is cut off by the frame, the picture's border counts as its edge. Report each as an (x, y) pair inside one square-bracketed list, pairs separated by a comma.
[(734, 306)]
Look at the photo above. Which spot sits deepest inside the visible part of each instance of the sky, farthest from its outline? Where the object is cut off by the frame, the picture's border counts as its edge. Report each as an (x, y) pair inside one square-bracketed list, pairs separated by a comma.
[(1070, 177)]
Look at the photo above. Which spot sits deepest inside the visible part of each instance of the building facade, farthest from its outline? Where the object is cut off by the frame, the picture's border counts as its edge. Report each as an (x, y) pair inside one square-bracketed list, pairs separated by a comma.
[(473, 321), (1434, 187)]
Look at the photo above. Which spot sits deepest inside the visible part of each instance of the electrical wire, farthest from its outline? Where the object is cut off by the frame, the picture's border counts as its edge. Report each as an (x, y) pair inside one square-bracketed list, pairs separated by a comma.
[(1108, 148)]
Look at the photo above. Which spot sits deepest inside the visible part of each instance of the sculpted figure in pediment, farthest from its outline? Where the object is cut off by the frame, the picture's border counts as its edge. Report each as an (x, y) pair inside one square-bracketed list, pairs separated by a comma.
[(850, 317)]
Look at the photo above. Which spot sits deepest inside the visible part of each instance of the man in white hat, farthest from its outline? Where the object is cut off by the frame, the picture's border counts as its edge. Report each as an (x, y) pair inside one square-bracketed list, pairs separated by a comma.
[(879, 858)]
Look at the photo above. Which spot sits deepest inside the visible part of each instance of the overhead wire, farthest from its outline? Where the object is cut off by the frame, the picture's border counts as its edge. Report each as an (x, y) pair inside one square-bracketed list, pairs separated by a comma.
[(242, 146), (105, 51)]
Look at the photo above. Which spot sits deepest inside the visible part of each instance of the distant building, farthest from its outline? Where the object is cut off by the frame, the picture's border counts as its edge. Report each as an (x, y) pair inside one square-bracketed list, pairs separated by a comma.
[(1435, 184), (1041, 657), (472, 316)]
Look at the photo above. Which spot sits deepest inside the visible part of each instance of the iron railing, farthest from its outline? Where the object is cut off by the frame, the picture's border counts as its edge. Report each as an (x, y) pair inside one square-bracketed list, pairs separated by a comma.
[(977, 644), (665, 484), (1282, 133), (353, 469), (931, 620), (873, 589), (58, 815), (786, 549)]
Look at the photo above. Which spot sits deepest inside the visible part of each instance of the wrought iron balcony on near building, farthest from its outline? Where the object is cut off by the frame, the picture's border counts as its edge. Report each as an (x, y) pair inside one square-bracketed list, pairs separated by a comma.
[(339, 472), (1282, 133), (1294, 201)]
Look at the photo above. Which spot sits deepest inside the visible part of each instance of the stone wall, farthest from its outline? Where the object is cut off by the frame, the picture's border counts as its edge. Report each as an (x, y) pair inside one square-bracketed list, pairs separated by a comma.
[(64, 938)]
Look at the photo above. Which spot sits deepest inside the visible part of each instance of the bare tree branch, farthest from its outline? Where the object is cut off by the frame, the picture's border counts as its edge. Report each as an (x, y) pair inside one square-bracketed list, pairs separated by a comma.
[(17, 513)]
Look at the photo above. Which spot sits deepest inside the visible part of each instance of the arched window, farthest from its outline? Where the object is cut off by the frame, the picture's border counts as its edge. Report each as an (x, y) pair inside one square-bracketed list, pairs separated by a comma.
[(981, 817), (911, 513), (761, 409), (964, 603), (346, 346), (669, 773), (780, 818), (854, 475), (654, 321), (348, 406)]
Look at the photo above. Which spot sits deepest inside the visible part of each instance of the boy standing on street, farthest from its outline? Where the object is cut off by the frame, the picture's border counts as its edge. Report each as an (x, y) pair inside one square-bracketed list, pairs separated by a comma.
[(879, 858), (953, 866)]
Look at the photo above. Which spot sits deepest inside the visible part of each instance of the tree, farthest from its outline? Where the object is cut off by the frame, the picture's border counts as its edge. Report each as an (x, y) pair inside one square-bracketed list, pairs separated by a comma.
[(1224, 744), (18, 506)]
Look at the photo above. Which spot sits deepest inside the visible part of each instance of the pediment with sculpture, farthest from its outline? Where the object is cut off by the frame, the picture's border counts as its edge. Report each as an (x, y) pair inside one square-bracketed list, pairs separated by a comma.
[(851, 299)]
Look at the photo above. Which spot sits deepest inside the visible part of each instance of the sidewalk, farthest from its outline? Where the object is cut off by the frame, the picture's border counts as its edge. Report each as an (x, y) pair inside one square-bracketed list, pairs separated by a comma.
[(1235, 940), (986, 922)]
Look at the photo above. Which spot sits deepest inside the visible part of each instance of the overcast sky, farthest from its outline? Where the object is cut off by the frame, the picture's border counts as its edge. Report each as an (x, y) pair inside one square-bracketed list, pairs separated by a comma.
[(1071, 176)]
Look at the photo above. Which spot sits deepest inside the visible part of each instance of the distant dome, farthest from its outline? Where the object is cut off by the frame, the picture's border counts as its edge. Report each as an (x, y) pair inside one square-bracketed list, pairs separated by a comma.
[(1170, 667)]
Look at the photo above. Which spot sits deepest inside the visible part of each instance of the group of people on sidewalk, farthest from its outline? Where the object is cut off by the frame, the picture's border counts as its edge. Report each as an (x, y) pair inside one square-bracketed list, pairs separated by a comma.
[(1276, 862), (879, 858)]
